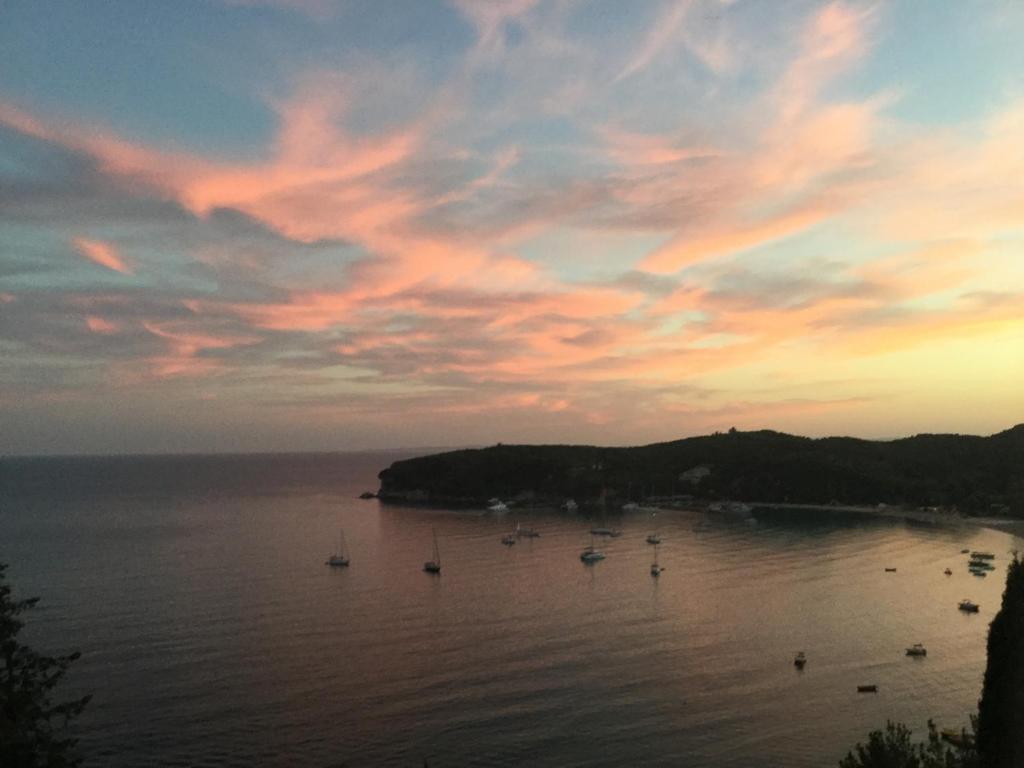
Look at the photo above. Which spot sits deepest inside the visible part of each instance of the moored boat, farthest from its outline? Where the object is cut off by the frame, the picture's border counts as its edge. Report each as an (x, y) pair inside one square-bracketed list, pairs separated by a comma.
[(948, 571), (967, 606), (508, 539), (340, 558), (434, 566), (656, 569), (591, 554), (800, 660), (982, 556), (917, 650), (867, 689), (612, 532), (653, 537), (526, 533)]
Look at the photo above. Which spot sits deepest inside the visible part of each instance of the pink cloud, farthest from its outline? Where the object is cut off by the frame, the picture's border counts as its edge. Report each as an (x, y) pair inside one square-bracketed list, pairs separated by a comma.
[(101, 253), (99, 325), (184, 348)]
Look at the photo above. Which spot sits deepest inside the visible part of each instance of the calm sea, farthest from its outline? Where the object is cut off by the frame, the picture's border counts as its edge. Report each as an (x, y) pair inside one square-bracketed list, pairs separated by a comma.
[(213, 634)]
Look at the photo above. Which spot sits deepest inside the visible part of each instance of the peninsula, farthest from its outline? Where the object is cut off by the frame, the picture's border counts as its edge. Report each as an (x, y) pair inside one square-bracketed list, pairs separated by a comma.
[(978, 476)]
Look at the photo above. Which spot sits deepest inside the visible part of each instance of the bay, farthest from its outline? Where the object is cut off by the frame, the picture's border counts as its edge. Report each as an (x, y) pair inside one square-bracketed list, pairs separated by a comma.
[(213, 634)]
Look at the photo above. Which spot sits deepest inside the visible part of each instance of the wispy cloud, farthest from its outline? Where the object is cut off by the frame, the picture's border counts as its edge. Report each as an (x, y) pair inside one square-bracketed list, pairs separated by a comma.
[(627, 229), (102, 253)]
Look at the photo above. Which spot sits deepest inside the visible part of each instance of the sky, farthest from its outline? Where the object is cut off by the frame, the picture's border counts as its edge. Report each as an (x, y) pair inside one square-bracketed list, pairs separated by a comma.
[(259, 225)]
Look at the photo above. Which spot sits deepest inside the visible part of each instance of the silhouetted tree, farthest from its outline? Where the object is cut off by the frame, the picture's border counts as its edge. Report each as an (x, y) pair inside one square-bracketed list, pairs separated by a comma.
[(1001, 709), (33, 729), (893, 748)]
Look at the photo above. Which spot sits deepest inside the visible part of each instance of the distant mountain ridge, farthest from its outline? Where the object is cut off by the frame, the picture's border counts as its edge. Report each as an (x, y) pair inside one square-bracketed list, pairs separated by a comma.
[(977, 475)]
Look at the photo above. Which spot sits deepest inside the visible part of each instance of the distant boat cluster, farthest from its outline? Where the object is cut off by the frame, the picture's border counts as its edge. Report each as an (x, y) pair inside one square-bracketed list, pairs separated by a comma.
[(979, 564)]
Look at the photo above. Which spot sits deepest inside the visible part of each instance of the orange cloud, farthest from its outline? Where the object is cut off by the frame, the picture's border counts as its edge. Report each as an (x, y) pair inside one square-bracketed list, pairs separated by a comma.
[(99, 325), (101, 253)]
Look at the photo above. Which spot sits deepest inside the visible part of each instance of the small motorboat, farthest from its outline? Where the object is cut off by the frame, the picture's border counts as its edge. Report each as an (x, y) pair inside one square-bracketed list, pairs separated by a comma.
[(890, 570), (967, 606), (982, 556), (917, 650), (656, 569), (508, 539), (497, 507), (964, 551), (980, 574), (948, 571), (867, 689), (367, 495), (800, 660), (654, 539), (613, 532)]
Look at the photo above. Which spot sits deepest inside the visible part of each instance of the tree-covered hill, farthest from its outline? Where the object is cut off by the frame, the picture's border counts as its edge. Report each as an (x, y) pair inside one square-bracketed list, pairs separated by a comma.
[(978, 475)]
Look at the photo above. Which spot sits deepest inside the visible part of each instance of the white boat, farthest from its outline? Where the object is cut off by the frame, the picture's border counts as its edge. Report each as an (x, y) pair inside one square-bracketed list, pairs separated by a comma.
[(340, 558), (497, 507), (570, 505), (434, 566), (591, 554), (630, 506), (917, 650)]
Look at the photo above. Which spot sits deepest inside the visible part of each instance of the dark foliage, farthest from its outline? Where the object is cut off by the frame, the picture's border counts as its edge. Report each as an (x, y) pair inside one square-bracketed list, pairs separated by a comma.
[(979, 475), (893, 748), (32, 726), (1001, 709)]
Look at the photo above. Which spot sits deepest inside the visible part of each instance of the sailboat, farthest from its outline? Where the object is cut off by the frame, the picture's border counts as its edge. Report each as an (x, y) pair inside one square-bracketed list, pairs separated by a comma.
[(339, 559), (653, 537), (434, 566), (591, 554), (655, 568)]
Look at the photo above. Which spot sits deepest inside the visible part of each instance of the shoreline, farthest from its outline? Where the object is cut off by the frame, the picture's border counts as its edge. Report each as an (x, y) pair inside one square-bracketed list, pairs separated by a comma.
[(1013, 527)]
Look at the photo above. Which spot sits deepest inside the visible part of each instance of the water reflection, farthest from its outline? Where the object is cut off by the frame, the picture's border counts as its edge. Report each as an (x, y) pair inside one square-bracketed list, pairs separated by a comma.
[(214, 635)]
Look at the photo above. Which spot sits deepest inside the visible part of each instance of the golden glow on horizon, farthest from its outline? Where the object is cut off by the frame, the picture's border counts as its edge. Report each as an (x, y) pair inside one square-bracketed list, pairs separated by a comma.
[(808, 258)]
